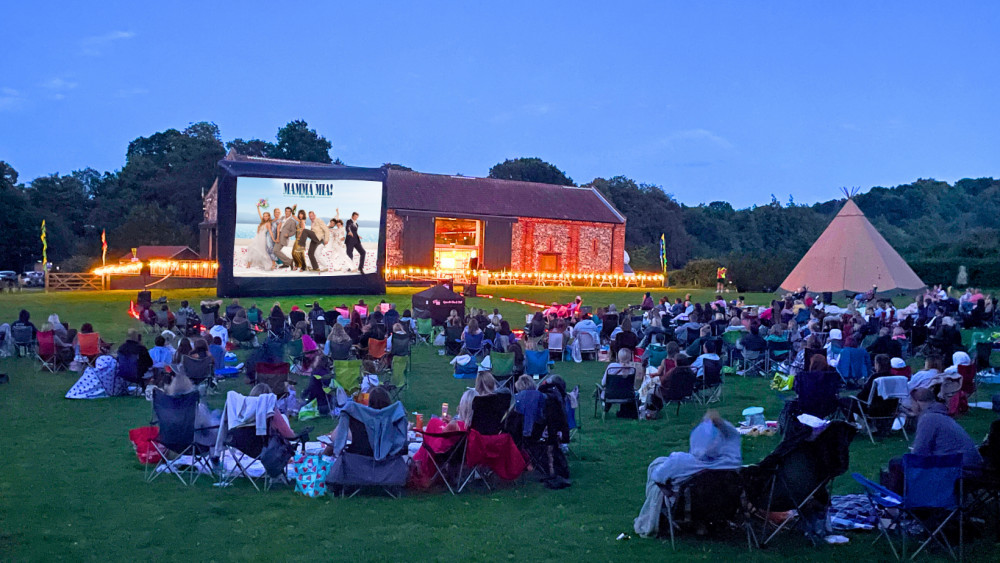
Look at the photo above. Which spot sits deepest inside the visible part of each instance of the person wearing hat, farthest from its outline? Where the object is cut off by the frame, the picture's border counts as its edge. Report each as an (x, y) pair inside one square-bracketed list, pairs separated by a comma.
[(898, 367), (833, 346)]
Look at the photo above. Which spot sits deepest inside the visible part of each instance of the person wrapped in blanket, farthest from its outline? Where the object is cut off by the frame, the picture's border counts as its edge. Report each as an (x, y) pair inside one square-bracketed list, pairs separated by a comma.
[(715, 444), (539, 424)]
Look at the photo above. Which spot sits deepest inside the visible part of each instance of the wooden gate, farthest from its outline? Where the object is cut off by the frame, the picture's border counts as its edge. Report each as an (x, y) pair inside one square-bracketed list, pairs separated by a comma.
[(73, 282)]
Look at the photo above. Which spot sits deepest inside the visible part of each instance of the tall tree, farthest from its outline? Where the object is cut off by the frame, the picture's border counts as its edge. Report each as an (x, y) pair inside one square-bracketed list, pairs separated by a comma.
[(8, 176), (19, 223), (171, 169), (64, 203), (296, 141), (530, 170)]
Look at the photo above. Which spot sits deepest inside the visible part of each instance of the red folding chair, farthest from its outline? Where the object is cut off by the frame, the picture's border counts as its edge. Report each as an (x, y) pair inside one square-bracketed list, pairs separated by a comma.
[(90, 346), (46, 352)]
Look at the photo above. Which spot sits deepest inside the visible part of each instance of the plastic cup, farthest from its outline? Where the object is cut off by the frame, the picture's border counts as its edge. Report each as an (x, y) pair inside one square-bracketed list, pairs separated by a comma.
[(420, 421)]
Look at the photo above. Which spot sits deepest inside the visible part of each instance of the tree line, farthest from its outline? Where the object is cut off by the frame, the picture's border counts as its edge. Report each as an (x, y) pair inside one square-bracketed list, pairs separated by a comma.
[(156, 199)]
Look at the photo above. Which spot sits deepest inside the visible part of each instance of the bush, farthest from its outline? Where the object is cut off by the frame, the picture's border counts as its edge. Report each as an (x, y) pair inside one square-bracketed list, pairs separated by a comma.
[(944, 271), (696, 273)]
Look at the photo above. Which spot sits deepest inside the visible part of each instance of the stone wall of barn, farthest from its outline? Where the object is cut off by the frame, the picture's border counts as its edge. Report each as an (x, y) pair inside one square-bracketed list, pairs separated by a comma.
[(580, 247)]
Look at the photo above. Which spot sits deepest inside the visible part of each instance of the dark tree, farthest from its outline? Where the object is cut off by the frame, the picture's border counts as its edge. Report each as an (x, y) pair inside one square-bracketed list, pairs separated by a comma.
[(8, 176), (530, 170), (296, 141)]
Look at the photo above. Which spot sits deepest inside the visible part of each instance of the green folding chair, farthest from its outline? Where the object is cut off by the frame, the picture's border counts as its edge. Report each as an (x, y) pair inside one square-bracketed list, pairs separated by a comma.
[(397, 381), (294, 350), (502, 367), (347, 374), (425, 329)]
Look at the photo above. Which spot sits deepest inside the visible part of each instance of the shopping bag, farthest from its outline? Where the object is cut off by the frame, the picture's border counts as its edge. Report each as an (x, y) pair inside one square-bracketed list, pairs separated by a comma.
[(310, 474), (142, 439), (309, 410)]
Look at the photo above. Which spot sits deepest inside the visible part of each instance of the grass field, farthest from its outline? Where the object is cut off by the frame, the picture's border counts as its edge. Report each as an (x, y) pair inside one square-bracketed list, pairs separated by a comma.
[(71, 487)]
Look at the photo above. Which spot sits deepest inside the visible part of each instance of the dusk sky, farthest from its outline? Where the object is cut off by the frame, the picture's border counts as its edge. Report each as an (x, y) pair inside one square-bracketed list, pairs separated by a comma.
[(710, 100)]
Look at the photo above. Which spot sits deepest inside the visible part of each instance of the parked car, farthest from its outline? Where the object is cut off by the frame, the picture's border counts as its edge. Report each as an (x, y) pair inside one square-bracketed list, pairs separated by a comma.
[(33, 279), (8, 275)]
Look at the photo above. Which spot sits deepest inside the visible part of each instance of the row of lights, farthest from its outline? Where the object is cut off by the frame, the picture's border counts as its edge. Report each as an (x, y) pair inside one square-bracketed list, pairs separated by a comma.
[(393, 273), (190, 268)]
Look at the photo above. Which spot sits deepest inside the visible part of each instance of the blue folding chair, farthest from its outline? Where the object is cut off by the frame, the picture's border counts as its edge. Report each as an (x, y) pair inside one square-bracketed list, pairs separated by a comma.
[(536, 363), (932, 496)]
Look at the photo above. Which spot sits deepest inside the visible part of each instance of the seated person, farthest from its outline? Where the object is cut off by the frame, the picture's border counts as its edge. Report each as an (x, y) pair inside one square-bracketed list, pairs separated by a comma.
[(133, 347), (218, 353), (879, 407), (937, 434), (752, 342), (210, 308), (422, 469), (255, 312), (694, 347), (338, 344), (378, 399), (622, 368), (668, 364), (710, 351), (625, 338), (933, 366), (714, 444), (87, 328), (219, 331), (161, 354), (199, 349)]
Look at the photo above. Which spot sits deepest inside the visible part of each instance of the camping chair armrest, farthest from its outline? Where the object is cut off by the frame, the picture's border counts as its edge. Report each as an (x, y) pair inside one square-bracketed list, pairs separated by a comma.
[(859, 401)]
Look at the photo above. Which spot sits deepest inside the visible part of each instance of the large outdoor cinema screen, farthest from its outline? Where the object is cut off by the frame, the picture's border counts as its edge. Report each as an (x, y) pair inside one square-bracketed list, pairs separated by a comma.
[(300, 229)]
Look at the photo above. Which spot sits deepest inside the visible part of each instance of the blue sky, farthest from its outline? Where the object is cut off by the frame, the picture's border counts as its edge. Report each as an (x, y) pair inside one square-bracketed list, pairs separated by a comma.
[(710, 100)]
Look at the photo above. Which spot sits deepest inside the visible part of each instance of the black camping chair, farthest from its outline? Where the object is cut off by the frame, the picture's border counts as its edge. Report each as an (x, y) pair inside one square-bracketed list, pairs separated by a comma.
[(24, 340), (400, 344), (319, 330), (453, 343), (680, 387), (619, 390), (818, 393), (797, 475), (709, 388), (712, 499), (198, 370), (489, 413), (175, 416), (340, 350), (127, 370)]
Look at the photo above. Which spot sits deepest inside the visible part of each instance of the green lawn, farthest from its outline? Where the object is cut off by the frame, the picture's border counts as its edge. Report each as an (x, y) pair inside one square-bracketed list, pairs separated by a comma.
[(71, 488)]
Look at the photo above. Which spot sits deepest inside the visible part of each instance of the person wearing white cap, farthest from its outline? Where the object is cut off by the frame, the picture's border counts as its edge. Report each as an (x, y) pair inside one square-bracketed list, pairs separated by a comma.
[(833, 346)]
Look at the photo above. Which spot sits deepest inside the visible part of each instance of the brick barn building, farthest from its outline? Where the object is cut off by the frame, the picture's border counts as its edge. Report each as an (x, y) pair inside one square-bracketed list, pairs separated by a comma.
[(461, 222)]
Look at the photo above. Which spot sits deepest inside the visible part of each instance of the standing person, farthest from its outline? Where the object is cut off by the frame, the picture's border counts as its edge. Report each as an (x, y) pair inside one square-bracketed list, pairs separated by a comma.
[(286, 233), (302, 236), (338, 252), (353, 242), (720, 279), (257, 251), (322, 236)]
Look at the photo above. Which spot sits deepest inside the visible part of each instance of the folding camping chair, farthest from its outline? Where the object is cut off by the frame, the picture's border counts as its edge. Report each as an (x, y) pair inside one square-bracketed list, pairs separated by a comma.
[(90, 346), (487, 439), (729, 341), (446, 452), (362, 311), (175, 416), (557, 346), (365, 465), (425, 330), (294, 351), (680, 388), (797, 475), (275, 376), (243, 335), (892, 389), (655, 354), (24, 339), (397, 380), (241, 447), (932, 496), (347, 374), (400, 344), (45, 352), (619, 390), (712, 499), (777, 352), (127, 370), (253, 316), (754, 362), (199, 370), (587, 344), (453, 340), (376, 356), (709, 388), (502, 367), (475, 344), (818, 394), (536, 363)]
